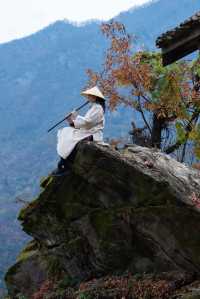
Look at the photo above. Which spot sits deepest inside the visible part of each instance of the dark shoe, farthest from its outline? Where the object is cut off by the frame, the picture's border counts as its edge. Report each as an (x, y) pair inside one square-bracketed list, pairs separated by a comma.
[(63, 168), (60, 172), (61, 163)]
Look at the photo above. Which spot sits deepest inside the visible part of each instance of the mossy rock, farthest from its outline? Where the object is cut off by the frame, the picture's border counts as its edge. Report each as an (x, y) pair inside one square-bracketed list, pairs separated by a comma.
[(30, 250), (112, 214), (45, 181), (29, 268)]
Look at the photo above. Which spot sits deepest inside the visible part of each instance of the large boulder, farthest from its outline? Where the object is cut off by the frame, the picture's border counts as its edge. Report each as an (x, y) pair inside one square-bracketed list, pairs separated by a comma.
[(134, 211)]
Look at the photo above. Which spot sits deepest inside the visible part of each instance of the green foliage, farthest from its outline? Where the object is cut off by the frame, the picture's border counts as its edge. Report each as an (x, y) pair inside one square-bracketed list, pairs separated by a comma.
[(66, 282), (180, 130), (165, 85), (85, 295), (21, 296), (195, 65), (195, 137)]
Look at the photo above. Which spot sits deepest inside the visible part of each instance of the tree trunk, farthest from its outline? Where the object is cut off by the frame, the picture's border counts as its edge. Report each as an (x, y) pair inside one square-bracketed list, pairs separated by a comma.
[(157, 131)]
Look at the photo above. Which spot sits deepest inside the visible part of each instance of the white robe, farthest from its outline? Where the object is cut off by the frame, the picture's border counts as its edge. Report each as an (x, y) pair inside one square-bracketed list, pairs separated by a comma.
[(91, 124)]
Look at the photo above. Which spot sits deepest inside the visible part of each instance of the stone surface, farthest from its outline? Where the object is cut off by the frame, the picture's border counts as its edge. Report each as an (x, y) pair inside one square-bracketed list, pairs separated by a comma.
[(114, 213)]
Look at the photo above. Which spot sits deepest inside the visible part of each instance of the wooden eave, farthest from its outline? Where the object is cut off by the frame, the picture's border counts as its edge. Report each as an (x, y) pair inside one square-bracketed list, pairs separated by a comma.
[(181, 41)]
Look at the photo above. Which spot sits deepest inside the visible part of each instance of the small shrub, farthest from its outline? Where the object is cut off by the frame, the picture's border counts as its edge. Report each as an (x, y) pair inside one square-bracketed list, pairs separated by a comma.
[(21, 296), (46, 288), (84, 296), (66, 282)]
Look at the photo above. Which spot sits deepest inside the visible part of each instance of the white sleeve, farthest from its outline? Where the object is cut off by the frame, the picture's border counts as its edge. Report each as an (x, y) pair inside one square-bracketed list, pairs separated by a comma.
[(91, 119)]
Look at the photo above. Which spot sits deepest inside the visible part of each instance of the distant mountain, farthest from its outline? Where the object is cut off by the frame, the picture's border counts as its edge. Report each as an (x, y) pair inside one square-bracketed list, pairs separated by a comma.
[(40, 80)]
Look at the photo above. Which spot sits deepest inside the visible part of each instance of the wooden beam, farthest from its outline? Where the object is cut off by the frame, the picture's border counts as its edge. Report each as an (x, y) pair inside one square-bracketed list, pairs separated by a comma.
[(170, 56), (180, 41), (181, 47)]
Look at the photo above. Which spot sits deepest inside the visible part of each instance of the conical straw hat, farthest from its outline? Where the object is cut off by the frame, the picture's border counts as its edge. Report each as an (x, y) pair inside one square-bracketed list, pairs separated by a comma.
[(94, 91)]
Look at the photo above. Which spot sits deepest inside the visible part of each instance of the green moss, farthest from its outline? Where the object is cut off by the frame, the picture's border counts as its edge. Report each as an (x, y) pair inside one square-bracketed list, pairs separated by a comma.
[(70, 211), (103, 223), (45, 181), (85, 295), (30, 250), (25, 255), (24, 211), (114, 241), (53, 265)]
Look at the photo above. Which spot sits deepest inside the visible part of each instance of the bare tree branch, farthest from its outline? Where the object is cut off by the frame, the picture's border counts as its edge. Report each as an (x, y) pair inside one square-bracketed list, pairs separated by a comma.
[(143, 117)]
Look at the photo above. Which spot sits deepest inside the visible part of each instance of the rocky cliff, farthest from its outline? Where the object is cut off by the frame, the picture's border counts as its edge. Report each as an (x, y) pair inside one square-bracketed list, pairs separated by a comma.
[(115, 214)]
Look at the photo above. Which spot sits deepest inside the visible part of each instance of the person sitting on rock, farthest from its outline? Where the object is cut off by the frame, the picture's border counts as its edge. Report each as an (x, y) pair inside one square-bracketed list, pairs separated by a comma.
[(89, 127)]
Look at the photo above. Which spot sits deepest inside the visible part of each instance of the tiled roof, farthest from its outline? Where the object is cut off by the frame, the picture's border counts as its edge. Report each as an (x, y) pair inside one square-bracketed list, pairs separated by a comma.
[(179, 32)]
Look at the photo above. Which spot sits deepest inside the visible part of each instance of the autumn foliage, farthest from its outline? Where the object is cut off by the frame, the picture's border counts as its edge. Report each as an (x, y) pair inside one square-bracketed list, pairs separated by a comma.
[(166, 98)]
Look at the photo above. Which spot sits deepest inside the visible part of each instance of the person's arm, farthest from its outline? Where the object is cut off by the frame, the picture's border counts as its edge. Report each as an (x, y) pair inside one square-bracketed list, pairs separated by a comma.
[(91, 119)]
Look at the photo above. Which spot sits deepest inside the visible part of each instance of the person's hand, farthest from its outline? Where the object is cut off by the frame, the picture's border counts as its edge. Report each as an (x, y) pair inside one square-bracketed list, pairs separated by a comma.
[(73, 115), (69, 120)]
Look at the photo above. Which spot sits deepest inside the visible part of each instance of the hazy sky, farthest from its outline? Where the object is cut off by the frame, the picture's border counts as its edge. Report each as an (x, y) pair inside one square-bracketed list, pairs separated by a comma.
[(22, 17)]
